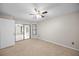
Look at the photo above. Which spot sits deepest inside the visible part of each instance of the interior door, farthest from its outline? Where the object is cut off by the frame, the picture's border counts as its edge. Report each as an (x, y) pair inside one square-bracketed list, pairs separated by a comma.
[(19, 32), (27, 33)]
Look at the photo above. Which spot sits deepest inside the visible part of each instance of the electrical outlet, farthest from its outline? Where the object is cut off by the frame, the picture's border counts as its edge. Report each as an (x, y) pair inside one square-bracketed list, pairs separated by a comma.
[(73, 43)]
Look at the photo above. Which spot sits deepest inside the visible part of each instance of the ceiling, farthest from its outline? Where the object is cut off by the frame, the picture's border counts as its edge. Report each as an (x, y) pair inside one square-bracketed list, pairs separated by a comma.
[(21, 11)]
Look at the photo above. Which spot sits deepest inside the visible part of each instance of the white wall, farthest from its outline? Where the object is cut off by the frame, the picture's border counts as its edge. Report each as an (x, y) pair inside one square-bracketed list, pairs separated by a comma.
[(61, 30), (7, 33), (23, 22)]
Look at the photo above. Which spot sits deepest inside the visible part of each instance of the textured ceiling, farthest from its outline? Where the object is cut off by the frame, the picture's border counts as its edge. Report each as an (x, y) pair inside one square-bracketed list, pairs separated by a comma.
[(21, 11)]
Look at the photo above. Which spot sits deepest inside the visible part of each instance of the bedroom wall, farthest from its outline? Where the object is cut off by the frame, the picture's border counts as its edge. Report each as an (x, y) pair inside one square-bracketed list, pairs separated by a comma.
[(61, 30), (23, 22)]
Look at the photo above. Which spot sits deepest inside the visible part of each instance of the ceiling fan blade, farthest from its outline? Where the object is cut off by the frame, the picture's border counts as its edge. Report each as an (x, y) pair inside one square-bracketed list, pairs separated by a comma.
[(44, 12), (38, 11), (35, 9)]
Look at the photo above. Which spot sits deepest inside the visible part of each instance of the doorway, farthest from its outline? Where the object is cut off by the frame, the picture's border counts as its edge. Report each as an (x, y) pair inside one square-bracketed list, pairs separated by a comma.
[(23, 31)]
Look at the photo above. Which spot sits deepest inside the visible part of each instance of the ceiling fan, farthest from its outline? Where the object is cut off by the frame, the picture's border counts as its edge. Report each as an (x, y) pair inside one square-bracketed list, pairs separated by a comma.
[(39, 13)]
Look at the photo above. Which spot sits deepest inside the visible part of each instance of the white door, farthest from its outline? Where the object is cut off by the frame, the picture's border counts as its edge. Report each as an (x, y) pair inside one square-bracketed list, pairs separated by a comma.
[(26, 31), (19, 32), (7, 33)]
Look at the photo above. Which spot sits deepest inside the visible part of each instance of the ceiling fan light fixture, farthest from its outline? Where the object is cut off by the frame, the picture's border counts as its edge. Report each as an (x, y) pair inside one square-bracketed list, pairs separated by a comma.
[(39, 14)]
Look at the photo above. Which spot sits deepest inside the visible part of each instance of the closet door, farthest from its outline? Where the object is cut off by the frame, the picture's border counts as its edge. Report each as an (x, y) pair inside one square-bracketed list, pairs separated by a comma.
[(7, 33)]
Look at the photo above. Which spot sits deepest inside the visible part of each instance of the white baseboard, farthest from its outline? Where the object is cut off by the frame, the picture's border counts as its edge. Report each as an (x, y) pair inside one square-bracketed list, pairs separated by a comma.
[(62, 45)]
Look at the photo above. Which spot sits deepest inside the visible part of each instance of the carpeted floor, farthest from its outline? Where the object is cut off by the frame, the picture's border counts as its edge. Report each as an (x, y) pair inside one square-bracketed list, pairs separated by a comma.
[(36, 47)]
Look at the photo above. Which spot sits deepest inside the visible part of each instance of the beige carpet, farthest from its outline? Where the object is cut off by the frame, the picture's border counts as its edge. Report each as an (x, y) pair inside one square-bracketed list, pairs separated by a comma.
[(36, 47)]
